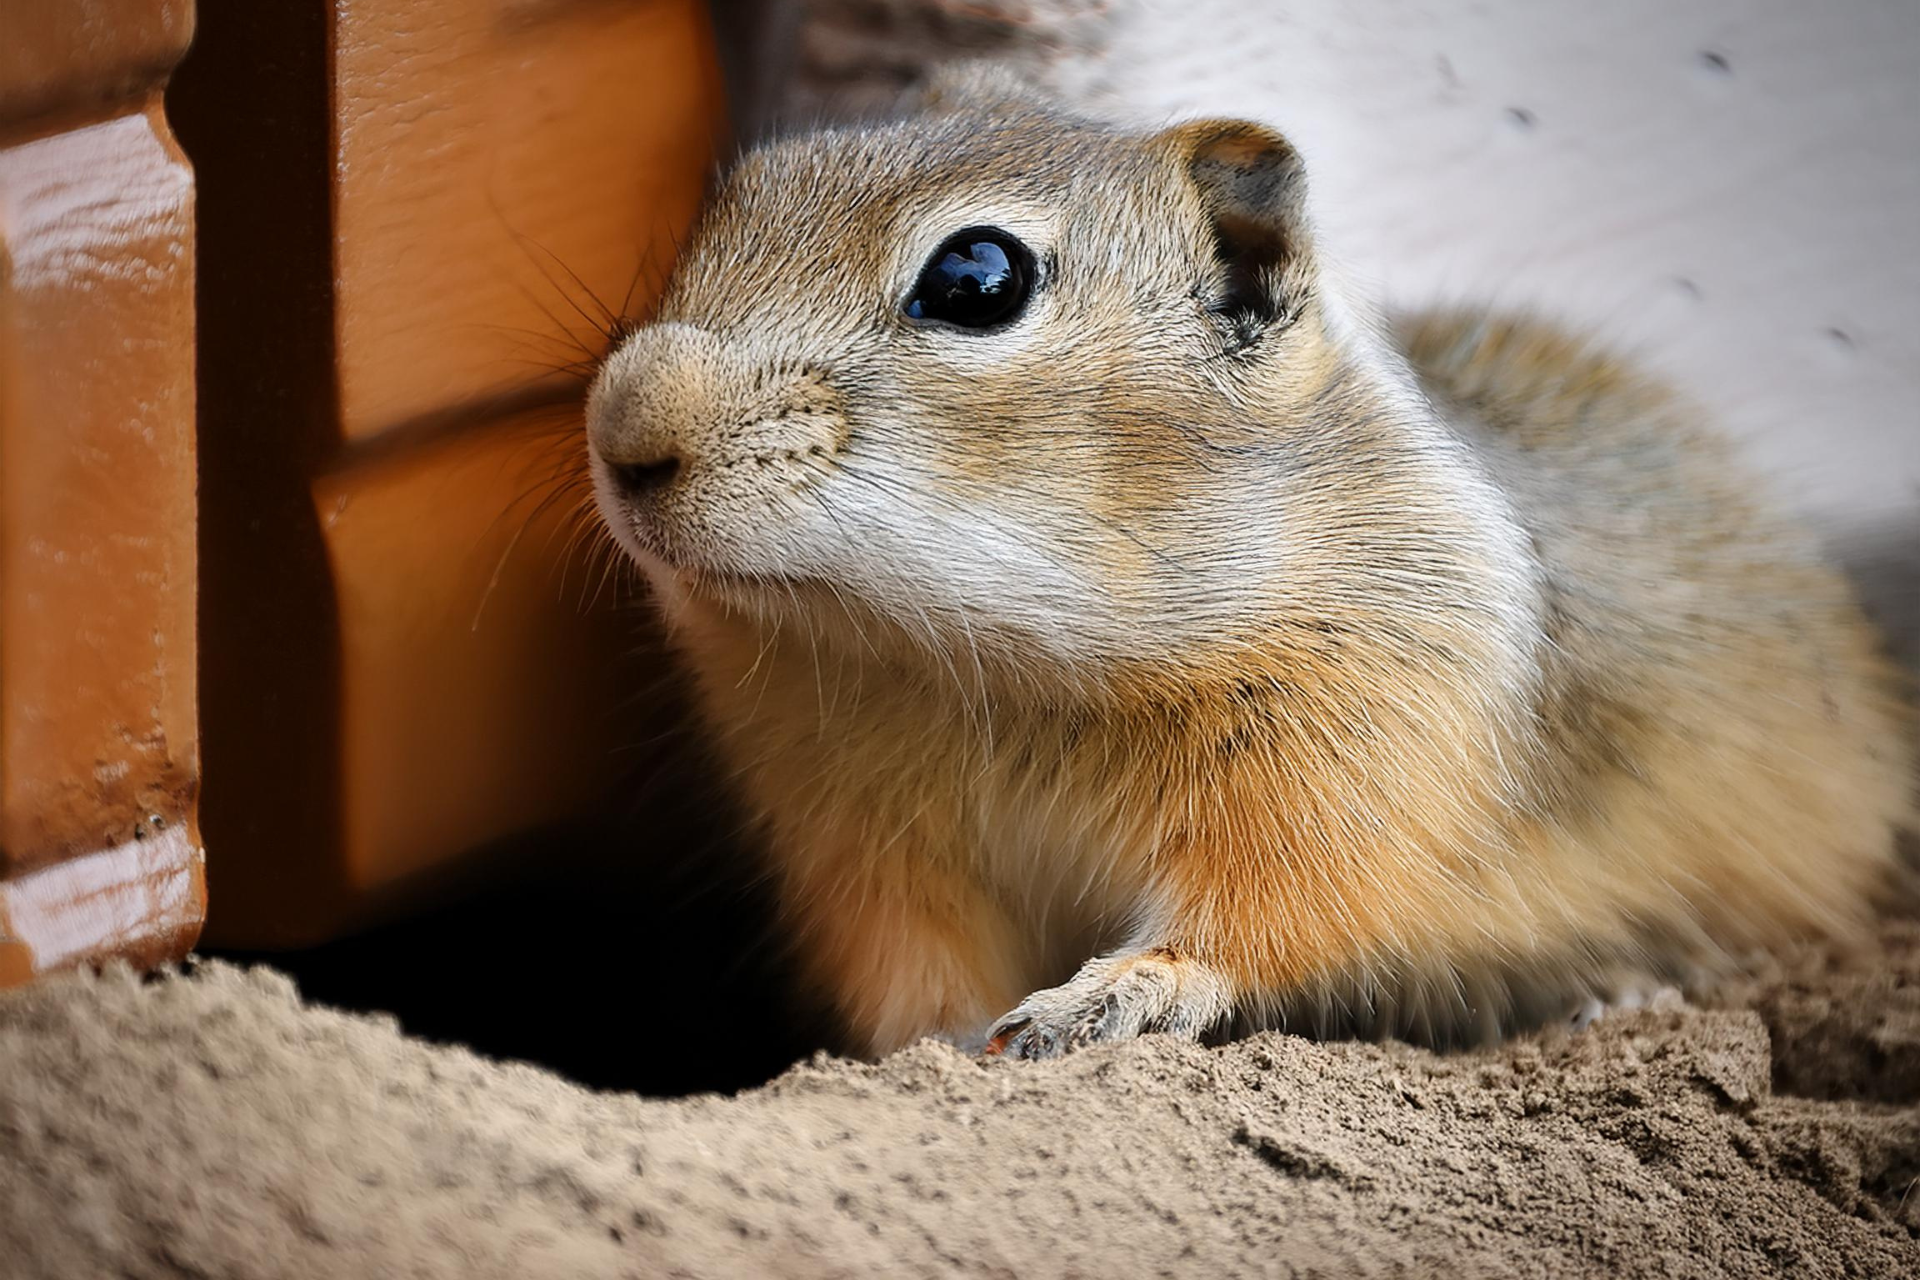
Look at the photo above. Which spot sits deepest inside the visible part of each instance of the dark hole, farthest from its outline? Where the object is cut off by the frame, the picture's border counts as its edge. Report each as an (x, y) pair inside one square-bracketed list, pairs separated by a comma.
[(633, 949)]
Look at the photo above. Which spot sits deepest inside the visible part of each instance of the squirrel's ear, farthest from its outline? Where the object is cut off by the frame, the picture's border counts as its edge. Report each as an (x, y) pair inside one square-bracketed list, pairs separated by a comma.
[(1253, 187)]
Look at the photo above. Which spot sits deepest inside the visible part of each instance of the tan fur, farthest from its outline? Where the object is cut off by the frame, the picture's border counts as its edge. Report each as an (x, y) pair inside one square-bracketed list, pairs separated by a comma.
[(1424, 686)]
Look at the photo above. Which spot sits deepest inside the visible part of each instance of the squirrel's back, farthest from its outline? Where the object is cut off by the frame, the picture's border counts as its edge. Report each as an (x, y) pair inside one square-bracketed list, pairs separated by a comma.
[(1714, 704)]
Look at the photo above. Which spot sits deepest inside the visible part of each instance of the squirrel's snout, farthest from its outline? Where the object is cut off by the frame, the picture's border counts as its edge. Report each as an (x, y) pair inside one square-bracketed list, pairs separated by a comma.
[(645, 410), (696, 437)]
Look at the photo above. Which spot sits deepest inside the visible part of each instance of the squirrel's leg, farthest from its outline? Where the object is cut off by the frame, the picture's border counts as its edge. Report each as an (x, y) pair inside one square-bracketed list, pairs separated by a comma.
[(903, 951), (1160, 988), (1212, 943)]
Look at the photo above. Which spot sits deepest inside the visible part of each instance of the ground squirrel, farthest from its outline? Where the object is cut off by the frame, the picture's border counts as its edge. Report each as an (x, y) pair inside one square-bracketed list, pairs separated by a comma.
[(1070, 568)]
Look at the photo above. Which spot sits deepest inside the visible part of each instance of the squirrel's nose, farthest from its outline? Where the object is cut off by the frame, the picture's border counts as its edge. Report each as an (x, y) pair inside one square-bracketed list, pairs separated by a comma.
[(642, 446), (640, 479), (647, 411)]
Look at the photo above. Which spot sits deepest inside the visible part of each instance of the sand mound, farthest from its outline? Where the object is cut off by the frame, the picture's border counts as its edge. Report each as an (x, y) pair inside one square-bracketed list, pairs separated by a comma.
[(212, 1125)]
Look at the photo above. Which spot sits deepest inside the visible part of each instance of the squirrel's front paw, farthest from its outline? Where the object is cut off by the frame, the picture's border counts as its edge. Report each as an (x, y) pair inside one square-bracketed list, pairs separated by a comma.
[(1115, 998)]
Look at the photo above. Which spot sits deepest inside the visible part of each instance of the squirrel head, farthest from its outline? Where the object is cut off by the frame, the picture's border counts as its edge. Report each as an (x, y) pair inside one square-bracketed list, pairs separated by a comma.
[(991, 378)]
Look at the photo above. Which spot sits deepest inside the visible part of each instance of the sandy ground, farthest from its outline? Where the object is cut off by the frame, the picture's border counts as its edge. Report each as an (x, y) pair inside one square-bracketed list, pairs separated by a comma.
[(212, 1125)]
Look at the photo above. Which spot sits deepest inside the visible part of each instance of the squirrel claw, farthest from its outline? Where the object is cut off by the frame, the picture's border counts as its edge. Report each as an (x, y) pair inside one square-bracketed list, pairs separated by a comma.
[(1000, 1036)]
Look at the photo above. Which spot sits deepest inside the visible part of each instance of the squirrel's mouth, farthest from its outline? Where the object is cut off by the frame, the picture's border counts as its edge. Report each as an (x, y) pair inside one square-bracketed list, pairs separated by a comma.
[(700, 572), (706, 580), (736, 587)]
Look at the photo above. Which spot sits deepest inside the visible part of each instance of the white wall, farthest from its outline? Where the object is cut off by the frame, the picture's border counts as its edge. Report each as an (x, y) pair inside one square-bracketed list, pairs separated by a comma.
[(1729, 187)]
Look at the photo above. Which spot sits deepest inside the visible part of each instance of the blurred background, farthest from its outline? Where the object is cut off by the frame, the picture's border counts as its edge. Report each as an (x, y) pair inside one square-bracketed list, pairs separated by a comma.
[(307, 650)]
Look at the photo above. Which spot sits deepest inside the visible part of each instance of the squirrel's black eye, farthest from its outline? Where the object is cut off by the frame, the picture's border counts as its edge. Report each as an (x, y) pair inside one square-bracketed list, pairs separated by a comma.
[(976, 279)]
